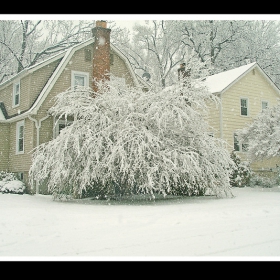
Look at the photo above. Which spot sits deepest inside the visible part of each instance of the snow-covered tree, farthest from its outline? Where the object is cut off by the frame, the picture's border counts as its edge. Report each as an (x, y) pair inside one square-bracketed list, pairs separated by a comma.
[(125, 141), (263, 134)]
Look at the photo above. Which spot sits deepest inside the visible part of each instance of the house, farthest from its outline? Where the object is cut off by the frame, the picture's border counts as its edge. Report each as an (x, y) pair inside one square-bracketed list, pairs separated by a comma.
[(26, 98), (243, 92)]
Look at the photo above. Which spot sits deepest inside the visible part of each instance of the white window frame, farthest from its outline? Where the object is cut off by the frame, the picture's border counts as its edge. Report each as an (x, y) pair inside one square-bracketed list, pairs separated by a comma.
[(247, 103), (57, 123), (15, 93), (19, 137), (85, 75), (264, 101)]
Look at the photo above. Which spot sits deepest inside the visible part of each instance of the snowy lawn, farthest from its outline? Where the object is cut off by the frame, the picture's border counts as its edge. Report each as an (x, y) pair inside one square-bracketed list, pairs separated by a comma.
[(246, 227)]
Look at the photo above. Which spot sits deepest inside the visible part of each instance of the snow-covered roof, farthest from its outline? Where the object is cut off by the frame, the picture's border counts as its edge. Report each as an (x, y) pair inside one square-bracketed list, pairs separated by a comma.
[(219, 82)]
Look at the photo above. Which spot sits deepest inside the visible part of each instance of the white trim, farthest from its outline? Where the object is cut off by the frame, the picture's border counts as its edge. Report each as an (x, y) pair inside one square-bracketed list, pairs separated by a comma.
[(221, 117), (19, 125), (15, 84)]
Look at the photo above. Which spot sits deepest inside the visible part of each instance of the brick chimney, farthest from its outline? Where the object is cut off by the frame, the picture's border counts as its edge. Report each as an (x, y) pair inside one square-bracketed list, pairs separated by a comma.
[(101, 52)]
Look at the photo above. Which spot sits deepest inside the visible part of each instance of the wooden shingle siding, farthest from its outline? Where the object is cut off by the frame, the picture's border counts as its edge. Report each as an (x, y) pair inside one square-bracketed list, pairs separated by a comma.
[(38, 80), (4, 146), (119, 69)]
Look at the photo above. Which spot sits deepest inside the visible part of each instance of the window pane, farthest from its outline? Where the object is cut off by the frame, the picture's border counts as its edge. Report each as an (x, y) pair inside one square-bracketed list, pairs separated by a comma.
[(264, 105), (16, 99), (244, 147), (243, 111), (21, 132), (17, 88), (79, 81), (61, 126), (20, 145), (236, 144), (243, 102)]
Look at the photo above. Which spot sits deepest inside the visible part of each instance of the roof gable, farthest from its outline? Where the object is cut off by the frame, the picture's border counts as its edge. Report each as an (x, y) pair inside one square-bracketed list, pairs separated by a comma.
[(220, 82), (65, 58)]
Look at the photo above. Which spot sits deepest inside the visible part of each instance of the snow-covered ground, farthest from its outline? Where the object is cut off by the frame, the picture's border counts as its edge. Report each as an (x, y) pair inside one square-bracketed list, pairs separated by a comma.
[(246, 227)]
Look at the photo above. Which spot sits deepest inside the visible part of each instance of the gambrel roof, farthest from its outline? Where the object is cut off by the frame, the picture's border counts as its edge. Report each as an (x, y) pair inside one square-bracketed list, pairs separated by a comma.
[(220, 82), (65, 58)]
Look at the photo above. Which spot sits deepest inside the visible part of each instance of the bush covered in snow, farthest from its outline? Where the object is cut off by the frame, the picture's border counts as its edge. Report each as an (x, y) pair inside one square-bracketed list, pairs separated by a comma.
[(262, 181), (126, 141), (10, 184), (263, 134), (241, 174)]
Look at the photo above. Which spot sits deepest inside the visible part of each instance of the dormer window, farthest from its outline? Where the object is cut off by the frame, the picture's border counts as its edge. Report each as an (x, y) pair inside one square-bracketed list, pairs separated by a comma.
[(264, 105), (79, 79), (16, 94)]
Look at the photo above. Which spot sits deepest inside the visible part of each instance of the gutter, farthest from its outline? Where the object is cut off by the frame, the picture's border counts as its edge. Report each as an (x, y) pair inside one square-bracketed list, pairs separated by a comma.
[(38, 126), (220, 116)]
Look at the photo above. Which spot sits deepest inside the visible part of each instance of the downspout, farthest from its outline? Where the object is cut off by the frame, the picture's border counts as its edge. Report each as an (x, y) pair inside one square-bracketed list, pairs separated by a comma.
[(221, 117), (38, 126)]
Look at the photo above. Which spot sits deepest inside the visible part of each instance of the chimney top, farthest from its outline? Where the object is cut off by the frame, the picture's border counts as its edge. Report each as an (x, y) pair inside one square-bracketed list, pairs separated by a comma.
[(101, 23)]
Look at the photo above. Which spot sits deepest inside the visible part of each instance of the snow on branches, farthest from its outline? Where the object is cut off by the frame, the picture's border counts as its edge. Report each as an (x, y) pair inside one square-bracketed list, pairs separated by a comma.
[(263, 134), (127, 141)]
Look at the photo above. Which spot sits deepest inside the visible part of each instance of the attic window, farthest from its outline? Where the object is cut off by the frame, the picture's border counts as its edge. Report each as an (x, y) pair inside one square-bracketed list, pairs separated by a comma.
[(87, 55), (111, 59), (253, 71)]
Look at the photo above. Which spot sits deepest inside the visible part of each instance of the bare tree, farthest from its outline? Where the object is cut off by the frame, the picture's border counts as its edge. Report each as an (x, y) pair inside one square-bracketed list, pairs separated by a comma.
[(156, 48), (23, 43), (208, 38), (258, 41)]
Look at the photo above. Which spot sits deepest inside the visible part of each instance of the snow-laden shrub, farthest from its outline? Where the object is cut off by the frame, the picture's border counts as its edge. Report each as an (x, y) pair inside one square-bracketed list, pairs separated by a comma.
[(126, 141), (241, 173), (263, 134), (10, 184), (261, 181), (7, 176)]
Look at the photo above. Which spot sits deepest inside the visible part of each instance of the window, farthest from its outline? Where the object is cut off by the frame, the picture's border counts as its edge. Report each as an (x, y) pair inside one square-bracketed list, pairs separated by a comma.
[(60, 125), (235, 142), (20, 176), (264, 105), (87, 55), (16, 94), (79, 79), (244, 107), (239, 146), (20, 138)]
